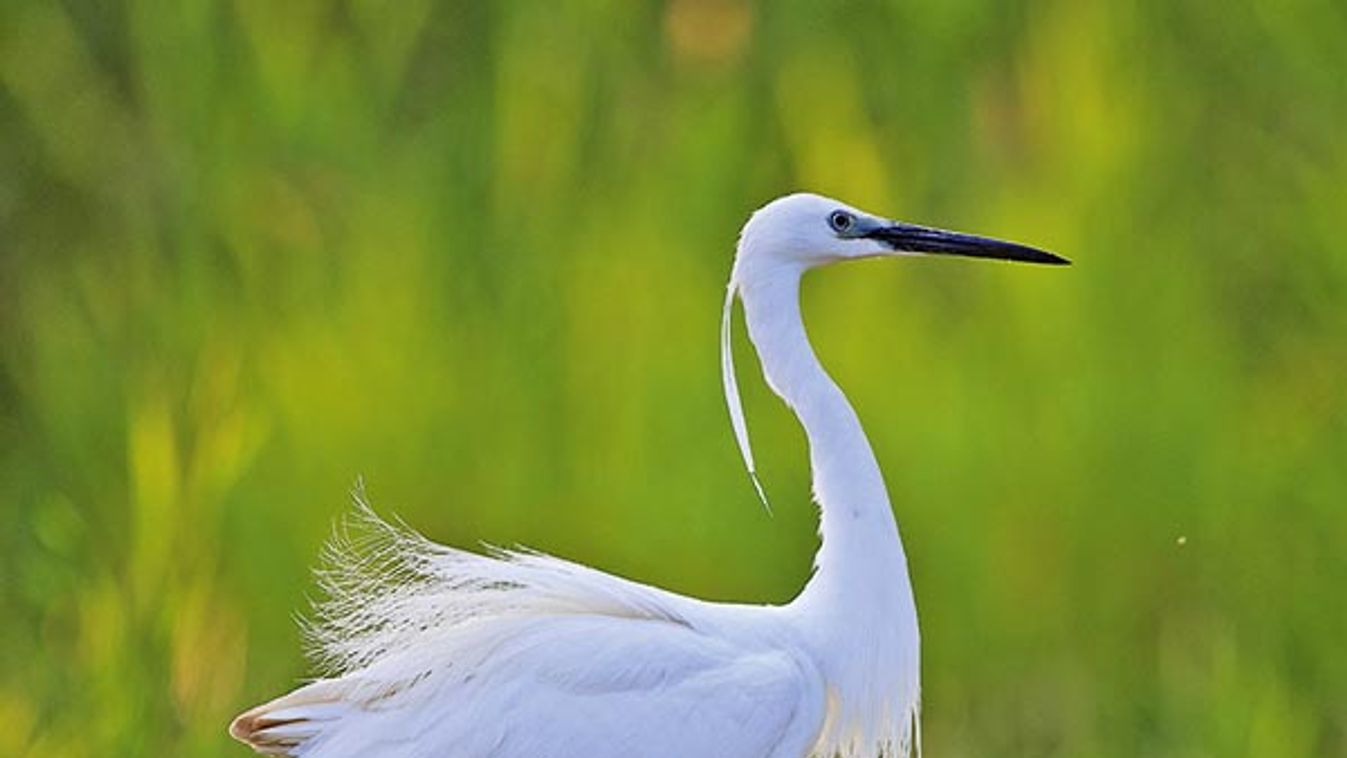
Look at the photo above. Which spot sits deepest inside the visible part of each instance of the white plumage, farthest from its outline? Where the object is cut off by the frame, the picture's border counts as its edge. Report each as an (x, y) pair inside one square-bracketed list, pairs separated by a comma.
[(433, 652)]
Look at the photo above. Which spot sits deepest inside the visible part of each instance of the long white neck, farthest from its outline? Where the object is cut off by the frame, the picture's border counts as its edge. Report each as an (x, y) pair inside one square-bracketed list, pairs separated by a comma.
[(857, 610), (860, 550)]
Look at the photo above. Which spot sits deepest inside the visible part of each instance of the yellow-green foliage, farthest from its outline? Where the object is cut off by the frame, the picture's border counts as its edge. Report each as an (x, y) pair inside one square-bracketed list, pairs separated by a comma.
[(250, 250)]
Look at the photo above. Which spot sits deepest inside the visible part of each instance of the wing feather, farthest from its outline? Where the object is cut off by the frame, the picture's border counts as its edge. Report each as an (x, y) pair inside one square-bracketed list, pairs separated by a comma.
[(433, 652)]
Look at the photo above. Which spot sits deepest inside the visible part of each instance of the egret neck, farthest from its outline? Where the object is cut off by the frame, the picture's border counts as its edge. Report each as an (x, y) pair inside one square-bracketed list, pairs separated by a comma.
[(860, 597), (860, 545)]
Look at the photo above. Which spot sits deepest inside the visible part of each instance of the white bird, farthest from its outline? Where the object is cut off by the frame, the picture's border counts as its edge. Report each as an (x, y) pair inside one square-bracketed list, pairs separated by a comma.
[(436, 652)]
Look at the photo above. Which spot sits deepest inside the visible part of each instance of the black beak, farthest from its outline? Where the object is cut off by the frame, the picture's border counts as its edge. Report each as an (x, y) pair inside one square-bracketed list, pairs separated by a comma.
[(910, 238)]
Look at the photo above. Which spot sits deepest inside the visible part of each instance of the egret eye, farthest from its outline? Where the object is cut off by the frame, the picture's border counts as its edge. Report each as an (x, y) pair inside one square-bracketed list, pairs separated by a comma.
[(841, 221)]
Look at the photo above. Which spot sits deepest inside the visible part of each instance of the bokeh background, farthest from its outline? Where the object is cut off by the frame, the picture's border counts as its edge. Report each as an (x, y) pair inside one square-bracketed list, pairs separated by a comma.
[(475, 252)]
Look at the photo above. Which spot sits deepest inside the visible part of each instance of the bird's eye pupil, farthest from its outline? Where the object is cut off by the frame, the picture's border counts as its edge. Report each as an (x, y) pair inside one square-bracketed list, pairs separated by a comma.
[(840, 221)]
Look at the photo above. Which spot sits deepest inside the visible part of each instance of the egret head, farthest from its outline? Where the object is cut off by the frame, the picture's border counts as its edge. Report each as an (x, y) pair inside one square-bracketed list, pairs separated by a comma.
[(795, 233), (804, 230)]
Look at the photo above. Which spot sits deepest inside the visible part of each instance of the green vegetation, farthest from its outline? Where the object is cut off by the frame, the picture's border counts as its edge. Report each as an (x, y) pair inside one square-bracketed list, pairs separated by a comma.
[(475, 252)]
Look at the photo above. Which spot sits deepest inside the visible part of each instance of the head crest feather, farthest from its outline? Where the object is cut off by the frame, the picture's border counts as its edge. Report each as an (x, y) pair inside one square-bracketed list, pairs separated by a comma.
[(731, 386)]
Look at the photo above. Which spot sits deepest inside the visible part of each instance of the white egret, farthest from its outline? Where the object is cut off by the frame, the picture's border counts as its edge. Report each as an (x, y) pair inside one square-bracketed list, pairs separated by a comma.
[(436, 652)]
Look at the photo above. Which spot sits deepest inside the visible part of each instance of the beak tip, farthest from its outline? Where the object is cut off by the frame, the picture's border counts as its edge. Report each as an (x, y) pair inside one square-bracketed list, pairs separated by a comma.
[(1038, 255), (1035, 255)]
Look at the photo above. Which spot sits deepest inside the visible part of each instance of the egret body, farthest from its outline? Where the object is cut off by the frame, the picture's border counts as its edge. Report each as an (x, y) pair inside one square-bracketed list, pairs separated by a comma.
[(440, 653)]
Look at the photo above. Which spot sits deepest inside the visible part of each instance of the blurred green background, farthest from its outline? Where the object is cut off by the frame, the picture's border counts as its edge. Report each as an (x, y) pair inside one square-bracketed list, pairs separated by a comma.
[(475, 252)]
